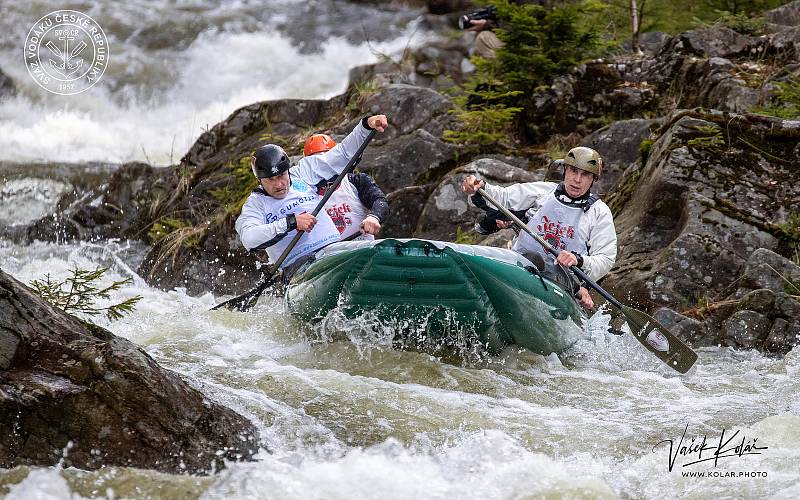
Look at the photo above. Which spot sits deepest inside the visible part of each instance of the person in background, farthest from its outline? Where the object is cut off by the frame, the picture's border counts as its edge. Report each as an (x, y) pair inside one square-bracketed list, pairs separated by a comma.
[(566, 214), (358, 206), (482, 22)]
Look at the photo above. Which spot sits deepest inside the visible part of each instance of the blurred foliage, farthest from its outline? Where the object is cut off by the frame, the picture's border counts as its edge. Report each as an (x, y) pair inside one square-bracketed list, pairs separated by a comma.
[(676, 16), (787, 97)]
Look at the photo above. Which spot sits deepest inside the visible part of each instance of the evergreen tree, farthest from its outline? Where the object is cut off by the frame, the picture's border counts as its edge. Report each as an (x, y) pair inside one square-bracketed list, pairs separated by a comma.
[(539, 44)]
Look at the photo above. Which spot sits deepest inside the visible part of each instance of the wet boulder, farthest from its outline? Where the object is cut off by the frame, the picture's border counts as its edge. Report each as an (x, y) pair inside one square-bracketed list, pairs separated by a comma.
[(7, 87), (448, 212), (761, 314), (697, 333), (783, 336), (746, 329), (74, 393)]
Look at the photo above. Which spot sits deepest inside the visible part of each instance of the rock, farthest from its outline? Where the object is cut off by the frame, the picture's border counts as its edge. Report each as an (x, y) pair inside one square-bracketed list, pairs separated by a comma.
[(767, 269), (408, 160), (746, 329), (792, 335), (448, 210), (785, 45), (776, 339), (653, 41), (121, 210), (436, 65), (761, 301), (787, 306), (410, 109), (724, 70), (787, 15), (714, 41), (783, 336), (7, 87), (689, 329), (175, 34), (71, 390), (700, 208), (406, 206), (620, 146), (243, 131)]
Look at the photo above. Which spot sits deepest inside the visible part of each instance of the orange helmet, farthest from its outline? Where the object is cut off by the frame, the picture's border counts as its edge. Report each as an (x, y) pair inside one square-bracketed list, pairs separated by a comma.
[(318, 143)]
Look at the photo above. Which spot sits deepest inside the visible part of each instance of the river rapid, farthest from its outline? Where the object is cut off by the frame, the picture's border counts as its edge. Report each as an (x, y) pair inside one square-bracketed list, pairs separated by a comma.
[(347, 416), (355, 418)]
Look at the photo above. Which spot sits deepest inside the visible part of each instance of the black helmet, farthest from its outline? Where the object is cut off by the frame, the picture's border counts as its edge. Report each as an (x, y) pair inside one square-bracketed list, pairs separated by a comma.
[(269, 160)]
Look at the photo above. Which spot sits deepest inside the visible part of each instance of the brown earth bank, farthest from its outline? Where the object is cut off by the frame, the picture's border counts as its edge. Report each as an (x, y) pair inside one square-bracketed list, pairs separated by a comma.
[(699, 186), (75, 394)]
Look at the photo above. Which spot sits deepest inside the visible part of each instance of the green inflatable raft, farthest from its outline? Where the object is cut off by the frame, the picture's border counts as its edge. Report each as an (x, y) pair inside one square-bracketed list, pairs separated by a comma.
[(440, 291)]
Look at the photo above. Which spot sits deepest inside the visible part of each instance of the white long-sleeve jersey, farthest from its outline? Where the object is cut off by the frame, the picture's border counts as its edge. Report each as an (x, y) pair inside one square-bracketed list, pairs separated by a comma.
[(263, 221), (596, 225)]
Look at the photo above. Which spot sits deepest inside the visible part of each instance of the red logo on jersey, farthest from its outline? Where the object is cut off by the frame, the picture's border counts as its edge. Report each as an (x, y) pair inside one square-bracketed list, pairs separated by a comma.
[(554, 232), (339, 216)]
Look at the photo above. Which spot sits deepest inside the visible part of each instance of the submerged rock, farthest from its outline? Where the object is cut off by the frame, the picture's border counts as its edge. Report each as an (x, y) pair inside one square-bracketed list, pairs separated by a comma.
[(74, 393), (7, 87)]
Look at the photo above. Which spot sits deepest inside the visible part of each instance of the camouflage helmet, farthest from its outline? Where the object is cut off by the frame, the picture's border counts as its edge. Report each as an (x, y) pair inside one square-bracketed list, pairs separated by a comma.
[(584, 158)]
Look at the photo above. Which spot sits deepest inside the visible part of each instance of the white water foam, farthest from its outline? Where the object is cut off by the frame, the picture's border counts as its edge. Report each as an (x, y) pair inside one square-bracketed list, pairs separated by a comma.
[(216, 74), (487, 464)]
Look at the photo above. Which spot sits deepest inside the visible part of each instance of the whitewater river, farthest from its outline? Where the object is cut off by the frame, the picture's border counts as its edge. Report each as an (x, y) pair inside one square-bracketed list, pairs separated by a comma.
[(176, 68), (353, 418), (356, 419)]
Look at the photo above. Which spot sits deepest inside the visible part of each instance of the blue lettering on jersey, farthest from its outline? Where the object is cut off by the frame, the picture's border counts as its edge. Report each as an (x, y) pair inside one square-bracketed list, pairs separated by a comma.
[(299, 185)]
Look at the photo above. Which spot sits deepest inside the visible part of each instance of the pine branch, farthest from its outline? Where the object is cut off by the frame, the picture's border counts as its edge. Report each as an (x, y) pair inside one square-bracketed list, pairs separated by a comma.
[(78, 293)]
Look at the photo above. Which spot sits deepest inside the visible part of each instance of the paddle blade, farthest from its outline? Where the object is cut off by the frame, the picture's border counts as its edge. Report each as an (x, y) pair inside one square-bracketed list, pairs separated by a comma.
[(657, 339)]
